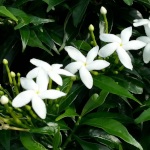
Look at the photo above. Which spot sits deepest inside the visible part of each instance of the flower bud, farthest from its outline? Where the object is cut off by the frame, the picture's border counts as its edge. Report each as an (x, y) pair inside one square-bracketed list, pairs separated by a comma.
[(103, 10), (12, 74), (4, 100), (5, 61), (91, 27)]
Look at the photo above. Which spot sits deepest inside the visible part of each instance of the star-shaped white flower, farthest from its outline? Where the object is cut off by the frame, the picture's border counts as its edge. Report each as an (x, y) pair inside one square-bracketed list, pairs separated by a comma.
[(85, 64), (143, 22), (53, 71), (146, 52), (120, 45), (35, 92)]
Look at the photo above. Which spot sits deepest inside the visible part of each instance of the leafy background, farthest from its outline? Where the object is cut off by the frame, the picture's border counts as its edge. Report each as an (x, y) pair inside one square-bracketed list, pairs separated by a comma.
[(114, 114)]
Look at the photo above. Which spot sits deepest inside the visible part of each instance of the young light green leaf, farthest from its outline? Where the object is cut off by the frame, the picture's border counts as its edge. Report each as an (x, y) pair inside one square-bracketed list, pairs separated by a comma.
[(25, 34), (128, 2), (29, 143), (108, 84), (112, 127), (5, 12), (69, 112), (94, 102), (144, 116)]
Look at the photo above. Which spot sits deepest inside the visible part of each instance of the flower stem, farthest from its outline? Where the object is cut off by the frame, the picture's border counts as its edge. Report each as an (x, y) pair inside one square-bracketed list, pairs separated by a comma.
[(72, 132), (106, 23)]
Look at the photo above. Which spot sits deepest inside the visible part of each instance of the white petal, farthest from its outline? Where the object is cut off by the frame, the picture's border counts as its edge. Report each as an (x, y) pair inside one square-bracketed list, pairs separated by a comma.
[(75, 54), (56, 66), (124, 58), (126, 34), (22, 99), (39, 107), (40, 63), (110, 38), (28, 84), (147, 30), (55, 77), (86, 77), (64, 72), (144, 39), (134, 45), (33, 73), (146, 53), (92, 54), (42, 80), (52, 94), (140, 22), (108, 49), (98, 65), (73, 67)]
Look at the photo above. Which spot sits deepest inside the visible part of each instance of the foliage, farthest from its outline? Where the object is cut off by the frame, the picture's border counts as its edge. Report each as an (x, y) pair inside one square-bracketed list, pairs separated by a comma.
[(113, 115)]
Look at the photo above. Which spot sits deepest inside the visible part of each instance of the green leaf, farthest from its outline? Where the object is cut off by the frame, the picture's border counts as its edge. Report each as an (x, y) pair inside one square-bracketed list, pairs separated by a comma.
[(90, 146), (5, 139), (113, 127), (94, 102), (69, 112), (35, 42), (52, 3), (4, 11), (128, 2), (49, 130), (25, 34), (108, 84), (144, 116), (57, 140), (79, 11), (29, 143), (144, 2)]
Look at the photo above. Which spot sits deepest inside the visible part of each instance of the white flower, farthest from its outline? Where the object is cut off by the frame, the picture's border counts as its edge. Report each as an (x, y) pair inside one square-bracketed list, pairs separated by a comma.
[(53, 71), (146, 52), (143, 22), (35, 92), (121, 45), (85, 64)]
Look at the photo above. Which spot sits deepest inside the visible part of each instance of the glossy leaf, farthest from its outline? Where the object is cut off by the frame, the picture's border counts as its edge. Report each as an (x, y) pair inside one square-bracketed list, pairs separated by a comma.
[(35, 42), (5, 12), (29, 143), (79, 11), (69, 112), (113, 127), (94, 102), (25, 34), (57, 140), (108, 84), (144, 116), (128, 2)]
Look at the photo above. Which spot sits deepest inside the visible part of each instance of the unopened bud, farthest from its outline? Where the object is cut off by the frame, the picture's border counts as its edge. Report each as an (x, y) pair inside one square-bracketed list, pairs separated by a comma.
[(103, 10), (5, 61), (91, 27), (18, 74), (4, 100), (12, 74)]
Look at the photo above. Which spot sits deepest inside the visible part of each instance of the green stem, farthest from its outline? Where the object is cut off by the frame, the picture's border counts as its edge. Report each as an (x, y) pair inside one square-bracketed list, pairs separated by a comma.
[(50, 84), (93, 38), (72, 132), (106, 23)]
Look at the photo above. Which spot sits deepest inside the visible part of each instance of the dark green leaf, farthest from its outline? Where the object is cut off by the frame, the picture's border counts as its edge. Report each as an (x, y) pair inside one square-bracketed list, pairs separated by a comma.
[(5, 139), (113, 127), (128, 2), (144, 116), (25, 34), (57, 140), (94, 102), (52, 3), (4, 11), (108, 84), (29, 143), (79, 11)]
